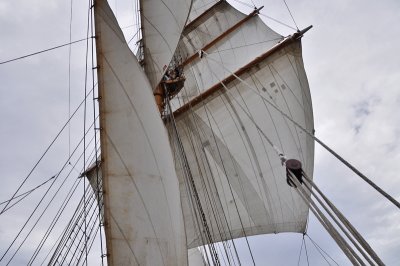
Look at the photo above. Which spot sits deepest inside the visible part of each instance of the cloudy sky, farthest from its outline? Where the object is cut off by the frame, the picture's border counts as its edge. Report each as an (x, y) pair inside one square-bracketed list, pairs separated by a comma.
[(352, 61)]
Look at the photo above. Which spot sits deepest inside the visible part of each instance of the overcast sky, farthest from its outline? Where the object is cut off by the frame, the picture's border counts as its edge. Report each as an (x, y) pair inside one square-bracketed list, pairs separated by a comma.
[(352, 60)]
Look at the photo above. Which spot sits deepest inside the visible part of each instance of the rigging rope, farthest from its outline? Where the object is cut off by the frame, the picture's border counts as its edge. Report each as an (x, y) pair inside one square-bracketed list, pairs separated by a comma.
[(37, 206), (305, 248), (301, 249), (25, 194), (211, 199), (193, 186), (231, 190), (60, 209), (209, 113), (339, 225), (45, 152), (73, 229), (42, 51), (342, 218), (277, 21), (194, 211), (347, 250), (291, 14), (65, 235), (319, 249)]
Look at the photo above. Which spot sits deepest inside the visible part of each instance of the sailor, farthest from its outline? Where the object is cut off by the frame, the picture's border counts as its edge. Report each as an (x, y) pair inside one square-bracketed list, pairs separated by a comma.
[(172, 73)]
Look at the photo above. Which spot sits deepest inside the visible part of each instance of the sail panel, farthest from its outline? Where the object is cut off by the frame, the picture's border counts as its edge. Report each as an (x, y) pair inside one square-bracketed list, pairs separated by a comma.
[(200, 6), (233, 51), (239, 177), (162, 25), (143, 216), (212, 24)]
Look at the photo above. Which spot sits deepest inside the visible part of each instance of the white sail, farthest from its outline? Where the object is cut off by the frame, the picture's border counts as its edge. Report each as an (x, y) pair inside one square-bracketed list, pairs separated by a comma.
[(250, 39), (162, 25), (238, 175), (143, 217)]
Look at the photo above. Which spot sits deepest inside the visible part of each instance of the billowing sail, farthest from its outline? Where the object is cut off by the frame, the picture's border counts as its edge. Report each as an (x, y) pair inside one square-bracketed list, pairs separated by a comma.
[(143, 217), (228, 36), (227, 130), (162, 25)]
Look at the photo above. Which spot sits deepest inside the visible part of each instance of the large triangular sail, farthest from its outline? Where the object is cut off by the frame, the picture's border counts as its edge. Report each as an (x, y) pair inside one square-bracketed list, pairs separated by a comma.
[(143, 217)]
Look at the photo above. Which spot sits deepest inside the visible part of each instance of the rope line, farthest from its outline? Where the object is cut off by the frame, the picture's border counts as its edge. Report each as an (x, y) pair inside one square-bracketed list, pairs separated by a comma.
[(290, 14), (344, 246), (305, 248), (42, 51), (37, 206), (26, 192), (301, 249), (45, 152), (277, 21), (61, 208), (193, 186), (320, 249), (344, 221)]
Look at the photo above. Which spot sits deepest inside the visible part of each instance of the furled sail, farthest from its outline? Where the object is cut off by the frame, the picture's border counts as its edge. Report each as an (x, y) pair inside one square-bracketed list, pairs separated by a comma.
[(162, 25), (142, 209), (227, 130)]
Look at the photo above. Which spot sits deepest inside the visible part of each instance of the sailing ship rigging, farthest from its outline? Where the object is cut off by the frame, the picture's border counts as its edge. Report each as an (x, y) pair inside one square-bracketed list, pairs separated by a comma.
[(201, 172)]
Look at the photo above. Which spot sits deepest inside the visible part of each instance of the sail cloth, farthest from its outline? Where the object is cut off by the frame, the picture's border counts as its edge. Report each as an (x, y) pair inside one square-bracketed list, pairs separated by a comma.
[(238, 175), (235, 50), (199, 7), (143, 217), (162, 25)]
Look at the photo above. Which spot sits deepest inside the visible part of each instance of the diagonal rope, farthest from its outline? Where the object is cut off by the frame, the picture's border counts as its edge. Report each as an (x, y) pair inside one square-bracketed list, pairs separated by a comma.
[(320, 249), (192, 183), (305, 248), (42, 51), (47, 149), (25, 194), (290, 14), (301, 249), (344, 246)]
